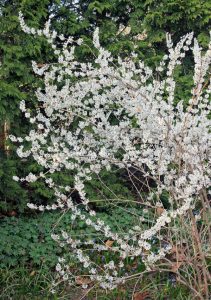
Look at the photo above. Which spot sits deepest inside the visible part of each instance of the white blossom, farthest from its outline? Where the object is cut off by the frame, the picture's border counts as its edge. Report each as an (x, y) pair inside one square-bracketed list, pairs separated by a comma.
[(169, 144)]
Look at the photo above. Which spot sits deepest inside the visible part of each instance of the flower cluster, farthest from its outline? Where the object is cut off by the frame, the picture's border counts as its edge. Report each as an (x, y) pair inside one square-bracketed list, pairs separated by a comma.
[(169, 144)]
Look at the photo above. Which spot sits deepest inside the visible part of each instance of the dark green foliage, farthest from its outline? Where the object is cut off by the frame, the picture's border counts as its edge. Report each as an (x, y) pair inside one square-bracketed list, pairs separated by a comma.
[(17, 82), (30, 242), (107, 189), (13, 196), (24, 242)]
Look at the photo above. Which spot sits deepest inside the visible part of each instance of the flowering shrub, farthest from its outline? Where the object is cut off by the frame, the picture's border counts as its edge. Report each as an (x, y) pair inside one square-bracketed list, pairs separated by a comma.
[(118, 112)]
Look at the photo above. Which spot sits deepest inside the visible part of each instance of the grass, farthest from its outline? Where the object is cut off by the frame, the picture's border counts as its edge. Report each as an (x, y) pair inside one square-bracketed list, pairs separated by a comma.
[(25, 284)]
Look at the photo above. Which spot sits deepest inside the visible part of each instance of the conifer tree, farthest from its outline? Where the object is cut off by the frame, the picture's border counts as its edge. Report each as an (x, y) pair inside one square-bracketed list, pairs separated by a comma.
[(124, 25)]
